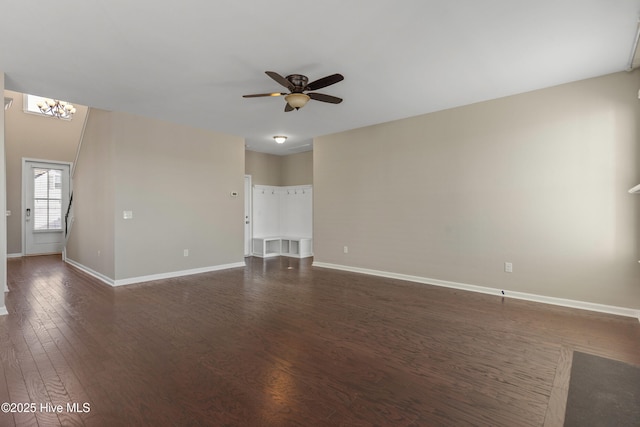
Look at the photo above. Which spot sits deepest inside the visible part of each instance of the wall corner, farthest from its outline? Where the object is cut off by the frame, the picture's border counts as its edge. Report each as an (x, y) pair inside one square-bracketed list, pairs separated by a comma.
[(3, 208)]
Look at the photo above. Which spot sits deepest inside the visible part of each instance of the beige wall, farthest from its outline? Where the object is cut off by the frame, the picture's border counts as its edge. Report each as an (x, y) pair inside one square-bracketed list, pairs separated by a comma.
[(37, 137), (268, 169), (91, 241), (265, 169), (177, 181), (538, 179), (297, 169), (3, 230)]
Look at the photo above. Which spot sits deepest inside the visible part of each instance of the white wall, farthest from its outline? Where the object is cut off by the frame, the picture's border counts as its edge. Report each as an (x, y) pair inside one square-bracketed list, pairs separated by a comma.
[(296, 211), (282, 211), (266, 211)]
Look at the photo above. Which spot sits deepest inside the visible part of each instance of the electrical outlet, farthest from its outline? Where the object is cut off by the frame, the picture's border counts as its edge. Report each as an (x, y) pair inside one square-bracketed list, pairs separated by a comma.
[(186, 252), (508, 267), (346, 249)]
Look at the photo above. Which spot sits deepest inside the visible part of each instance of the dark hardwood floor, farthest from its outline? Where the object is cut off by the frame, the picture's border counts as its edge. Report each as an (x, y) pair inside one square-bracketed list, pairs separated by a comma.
[(282, 343)]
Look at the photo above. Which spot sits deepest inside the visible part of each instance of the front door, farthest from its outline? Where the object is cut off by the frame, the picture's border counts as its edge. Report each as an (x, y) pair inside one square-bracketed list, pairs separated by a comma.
[(46, 198)]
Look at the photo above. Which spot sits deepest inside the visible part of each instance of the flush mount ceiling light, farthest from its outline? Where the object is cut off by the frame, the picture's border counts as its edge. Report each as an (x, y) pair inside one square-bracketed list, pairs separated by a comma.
[(280, 139), (55, 108)]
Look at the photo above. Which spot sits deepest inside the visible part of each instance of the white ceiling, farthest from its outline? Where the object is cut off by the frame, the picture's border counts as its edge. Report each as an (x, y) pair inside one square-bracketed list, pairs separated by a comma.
[(191, 61)]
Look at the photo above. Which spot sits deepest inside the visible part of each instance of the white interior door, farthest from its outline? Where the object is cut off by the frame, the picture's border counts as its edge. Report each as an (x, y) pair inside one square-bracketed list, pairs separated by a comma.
[(46, 197), (247, 215)]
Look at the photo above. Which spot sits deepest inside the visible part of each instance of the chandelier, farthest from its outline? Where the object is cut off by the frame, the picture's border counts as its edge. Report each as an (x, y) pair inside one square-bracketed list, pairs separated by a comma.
[(55, 108)]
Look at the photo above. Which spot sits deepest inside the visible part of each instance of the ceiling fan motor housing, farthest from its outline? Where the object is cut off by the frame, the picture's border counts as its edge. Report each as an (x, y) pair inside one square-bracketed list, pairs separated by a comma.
[(298, 81)]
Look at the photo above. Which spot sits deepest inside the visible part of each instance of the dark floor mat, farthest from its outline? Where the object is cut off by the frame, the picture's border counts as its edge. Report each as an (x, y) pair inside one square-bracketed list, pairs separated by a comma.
[(602, 392)]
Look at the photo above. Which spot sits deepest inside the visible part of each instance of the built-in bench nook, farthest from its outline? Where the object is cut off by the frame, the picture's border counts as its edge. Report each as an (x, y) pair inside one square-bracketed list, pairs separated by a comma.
[(296, 247), (282, 221)]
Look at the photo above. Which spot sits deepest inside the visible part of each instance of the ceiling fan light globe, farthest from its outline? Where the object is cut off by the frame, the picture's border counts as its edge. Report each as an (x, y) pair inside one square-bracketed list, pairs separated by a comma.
[(297, 100)]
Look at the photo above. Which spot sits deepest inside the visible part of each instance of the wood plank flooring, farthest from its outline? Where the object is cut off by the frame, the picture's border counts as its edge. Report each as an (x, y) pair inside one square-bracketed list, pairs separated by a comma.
[(281, 343)]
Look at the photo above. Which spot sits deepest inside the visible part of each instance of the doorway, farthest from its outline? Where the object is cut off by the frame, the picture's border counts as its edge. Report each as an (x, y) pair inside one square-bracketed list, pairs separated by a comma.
[(45, 189), (247, 216)]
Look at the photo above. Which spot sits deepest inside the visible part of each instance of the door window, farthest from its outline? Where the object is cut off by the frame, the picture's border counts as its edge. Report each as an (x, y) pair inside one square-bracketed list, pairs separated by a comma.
[(47, 199)]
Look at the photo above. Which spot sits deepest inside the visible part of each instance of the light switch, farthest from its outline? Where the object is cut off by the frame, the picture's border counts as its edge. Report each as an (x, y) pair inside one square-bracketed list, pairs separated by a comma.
[(508, 267), (127, 214)]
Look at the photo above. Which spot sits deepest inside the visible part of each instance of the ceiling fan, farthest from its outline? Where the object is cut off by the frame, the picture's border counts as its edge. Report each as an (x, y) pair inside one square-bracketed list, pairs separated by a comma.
[(297, 85)]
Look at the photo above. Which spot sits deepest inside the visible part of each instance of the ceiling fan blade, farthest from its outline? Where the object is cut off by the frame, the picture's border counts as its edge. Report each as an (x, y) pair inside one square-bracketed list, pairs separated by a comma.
[(256, 95), (324, 82), (278, 78), (325, 98), (288, 108)]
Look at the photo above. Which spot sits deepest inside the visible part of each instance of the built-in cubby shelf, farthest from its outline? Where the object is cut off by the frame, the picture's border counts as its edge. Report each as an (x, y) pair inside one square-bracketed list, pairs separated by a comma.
[(296, 247), (266, 246)]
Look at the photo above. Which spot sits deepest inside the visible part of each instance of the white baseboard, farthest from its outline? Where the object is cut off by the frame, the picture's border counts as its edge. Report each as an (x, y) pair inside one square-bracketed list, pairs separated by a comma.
[(132, 280), (582, 305), (3, 311), (18, 255), (105, 279), (172, 274)]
